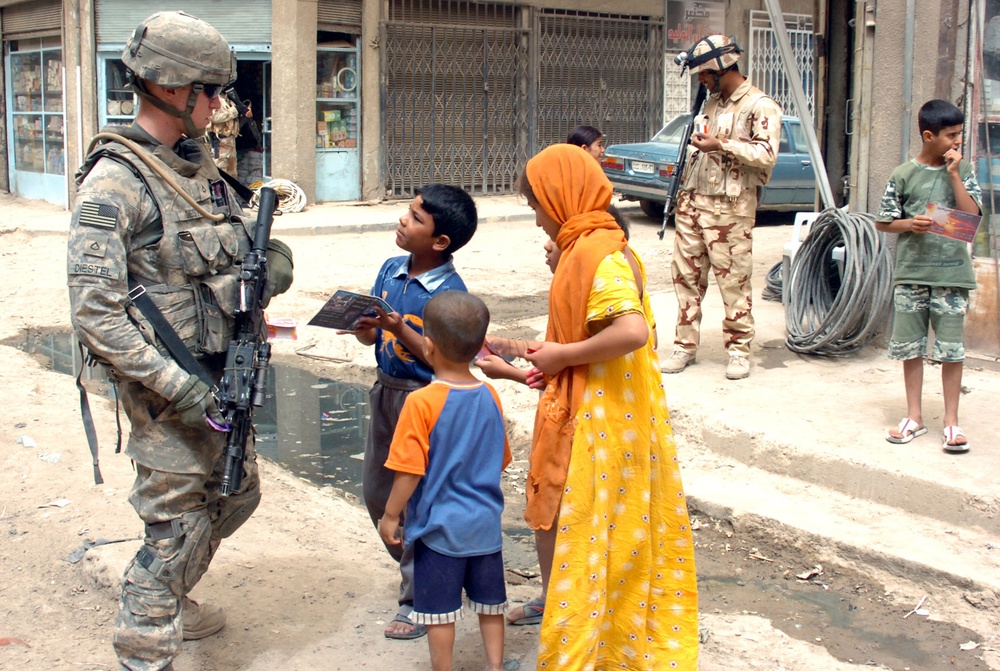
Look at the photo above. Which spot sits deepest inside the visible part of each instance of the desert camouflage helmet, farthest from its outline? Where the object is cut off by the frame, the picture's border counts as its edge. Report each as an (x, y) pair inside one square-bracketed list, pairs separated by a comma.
[(715, 52), (174, 48)]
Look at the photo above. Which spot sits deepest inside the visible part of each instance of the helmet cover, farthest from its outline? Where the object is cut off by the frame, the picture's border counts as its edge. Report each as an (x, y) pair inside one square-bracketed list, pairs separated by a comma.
[(173, 49), (714, 52)]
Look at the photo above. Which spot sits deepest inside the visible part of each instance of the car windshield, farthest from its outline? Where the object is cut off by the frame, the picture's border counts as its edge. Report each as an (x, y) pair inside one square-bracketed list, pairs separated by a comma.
[(672, 132)]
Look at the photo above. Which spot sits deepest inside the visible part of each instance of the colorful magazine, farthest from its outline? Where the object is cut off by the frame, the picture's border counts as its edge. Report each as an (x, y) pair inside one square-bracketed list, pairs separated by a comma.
[(953, 223), (344, 308)]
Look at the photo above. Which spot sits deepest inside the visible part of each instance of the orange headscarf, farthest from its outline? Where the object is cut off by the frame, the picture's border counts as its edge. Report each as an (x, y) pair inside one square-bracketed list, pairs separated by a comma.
[(571, 187)]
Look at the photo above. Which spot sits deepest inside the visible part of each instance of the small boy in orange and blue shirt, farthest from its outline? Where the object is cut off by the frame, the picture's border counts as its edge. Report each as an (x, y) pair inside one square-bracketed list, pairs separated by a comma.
[(448, 451), (440, 220)]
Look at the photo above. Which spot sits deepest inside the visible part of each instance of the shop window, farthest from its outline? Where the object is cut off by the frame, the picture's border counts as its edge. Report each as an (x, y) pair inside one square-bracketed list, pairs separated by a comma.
[(36, 87), (337, 95), (119, 100)]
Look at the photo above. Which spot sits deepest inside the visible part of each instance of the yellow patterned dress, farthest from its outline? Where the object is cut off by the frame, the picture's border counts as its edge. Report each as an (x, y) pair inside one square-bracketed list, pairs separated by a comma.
[(623, 593)]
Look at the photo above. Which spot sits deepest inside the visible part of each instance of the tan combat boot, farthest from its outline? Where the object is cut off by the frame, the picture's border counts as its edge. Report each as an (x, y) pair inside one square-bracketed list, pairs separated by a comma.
[(677, 362), (200, 621), (738, 367)]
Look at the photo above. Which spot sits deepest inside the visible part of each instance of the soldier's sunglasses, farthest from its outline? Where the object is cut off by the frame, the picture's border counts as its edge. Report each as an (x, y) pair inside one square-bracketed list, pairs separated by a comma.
[(210, 90)]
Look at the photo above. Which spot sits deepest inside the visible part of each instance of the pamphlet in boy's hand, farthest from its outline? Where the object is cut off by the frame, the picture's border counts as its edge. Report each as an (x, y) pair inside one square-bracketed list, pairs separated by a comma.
[(344, 308), (953, 223)]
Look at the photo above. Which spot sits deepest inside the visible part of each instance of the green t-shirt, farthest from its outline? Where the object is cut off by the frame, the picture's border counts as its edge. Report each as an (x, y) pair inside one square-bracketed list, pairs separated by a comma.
[(927, 258)]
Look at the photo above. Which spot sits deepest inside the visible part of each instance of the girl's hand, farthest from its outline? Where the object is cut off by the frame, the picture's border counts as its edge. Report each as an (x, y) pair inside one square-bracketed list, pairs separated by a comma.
[(536, 379), (547, 357)]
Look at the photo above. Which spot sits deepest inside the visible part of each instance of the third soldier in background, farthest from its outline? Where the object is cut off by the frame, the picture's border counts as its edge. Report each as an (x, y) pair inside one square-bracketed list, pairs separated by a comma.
[(732, 155)]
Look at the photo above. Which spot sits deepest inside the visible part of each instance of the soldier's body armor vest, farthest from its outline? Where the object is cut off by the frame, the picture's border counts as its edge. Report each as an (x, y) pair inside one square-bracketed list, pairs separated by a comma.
[(185, 263), (728, 179)]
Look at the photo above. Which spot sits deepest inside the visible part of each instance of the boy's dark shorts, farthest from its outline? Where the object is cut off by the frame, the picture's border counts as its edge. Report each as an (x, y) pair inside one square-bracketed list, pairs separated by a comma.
[(919, 306), (438, 581)]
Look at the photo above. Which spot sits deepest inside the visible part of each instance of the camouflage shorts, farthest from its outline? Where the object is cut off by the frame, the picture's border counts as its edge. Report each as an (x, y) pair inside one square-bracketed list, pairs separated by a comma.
[(919, 307)]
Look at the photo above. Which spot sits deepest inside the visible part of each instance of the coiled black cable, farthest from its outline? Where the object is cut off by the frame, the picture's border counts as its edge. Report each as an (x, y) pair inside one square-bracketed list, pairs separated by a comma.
[(772, 290), (832, 315)]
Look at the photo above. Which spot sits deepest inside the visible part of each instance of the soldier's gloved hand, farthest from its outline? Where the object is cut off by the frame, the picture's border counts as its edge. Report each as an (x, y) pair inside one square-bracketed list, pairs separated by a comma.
[(194, 401), (279, 270)]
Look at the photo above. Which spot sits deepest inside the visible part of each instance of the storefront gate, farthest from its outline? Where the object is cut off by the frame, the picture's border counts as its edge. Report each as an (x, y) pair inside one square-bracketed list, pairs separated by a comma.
[(766, 70), (470, 90), (455, 86), (602, 70)]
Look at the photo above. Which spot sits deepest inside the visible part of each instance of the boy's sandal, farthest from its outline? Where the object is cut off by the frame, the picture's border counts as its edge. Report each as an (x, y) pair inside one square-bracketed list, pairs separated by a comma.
[(417, 631), (509, 664), (951, 444), (907, 430), (533, 612)]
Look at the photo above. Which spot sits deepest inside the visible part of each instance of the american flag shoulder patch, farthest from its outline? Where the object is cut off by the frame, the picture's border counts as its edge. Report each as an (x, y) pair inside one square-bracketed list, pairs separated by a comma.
[(98, 214)]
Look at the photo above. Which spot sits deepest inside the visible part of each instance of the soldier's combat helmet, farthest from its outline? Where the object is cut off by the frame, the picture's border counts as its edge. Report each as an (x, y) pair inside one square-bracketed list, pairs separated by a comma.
[(714, 52), (173, 49)]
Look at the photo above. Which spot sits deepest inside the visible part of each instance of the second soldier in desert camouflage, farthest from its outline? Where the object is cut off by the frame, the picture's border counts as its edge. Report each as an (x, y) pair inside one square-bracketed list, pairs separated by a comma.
[(717, 203), (153, 216)]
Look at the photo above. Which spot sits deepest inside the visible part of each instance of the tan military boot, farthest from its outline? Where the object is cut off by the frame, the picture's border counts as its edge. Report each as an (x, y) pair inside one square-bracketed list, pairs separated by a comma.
[(677, 362), (201, 620), (738, 367)]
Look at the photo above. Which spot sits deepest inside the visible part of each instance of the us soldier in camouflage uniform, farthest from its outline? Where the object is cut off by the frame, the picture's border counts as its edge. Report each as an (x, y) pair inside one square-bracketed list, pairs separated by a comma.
[(152, 215), (225, 128), (717, 203)]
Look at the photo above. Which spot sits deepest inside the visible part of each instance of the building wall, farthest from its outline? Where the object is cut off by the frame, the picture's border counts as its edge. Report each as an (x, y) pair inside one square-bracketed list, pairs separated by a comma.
[(293, 92), (940, 29), (371, 127)]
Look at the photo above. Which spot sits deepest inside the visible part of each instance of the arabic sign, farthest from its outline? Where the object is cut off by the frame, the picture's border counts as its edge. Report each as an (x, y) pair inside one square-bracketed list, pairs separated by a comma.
[(688, 22)]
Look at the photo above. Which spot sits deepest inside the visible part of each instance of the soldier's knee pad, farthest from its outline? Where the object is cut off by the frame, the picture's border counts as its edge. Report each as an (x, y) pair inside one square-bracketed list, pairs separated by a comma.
[(236, 509), (179, 560)]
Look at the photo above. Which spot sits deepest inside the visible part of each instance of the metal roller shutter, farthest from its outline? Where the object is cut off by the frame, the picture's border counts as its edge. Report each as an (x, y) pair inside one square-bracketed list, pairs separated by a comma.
[(339, 15), (240, 21), (32, 19)]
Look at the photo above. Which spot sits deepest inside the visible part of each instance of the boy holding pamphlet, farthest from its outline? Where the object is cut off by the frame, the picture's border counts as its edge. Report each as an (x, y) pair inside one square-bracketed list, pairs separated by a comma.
[(934, 273), (440, 220)]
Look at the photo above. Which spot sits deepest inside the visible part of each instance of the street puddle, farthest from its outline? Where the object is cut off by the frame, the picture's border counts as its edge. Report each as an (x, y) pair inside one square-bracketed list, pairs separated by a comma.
[(312, 426)]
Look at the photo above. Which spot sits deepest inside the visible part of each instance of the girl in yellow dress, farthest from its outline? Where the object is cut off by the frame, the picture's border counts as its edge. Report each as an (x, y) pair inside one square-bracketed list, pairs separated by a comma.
[(604, 488)]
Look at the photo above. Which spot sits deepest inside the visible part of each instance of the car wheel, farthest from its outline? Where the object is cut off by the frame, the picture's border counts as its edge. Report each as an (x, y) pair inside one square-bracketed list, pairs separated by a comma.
[(652, 208)]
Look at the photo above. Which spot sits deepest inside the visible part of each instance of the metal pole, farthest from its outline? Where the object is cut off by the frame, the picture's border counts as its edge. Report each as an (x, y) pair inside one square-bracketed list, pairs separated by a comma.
[(904, 151), (795, 82)]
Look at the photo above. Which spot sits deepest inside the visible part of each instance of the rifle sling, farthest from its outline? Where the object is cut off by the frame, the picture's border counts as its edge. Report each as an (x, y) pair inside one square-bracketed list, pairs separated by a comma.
[(166, 333), (88, 418), (243, 192)]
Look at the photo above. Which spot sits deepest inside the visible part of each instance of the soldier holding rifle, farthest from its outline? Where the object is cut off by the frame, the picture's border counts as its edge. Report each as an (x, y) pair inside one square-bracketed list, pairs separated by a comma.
[(155, 247), (731, 155)]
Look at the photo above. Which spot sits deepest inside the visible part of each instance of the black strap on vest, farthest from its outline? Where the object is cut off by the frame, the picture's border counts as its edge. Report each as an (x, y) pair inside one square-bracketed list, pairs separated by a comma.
[(166, 333), (243, 192)]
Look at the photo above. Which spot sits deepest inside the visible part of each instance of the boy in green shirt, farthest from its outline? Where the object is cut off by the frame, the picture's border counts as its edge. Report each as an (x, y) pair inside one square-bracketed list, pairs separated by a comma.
[(934, 273)]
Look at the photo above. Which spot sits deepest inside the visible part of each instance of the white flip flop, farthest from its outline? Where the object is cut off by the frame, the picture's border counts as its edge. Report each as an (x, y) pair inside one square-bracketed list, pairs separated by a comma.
[(951, 433), (908, 429)]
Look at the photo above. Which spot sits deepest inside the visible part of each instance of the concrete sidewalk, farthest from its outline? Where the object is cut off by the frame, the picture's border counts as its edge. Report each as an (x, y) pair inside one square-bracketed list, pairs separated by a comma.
[(39, 217)]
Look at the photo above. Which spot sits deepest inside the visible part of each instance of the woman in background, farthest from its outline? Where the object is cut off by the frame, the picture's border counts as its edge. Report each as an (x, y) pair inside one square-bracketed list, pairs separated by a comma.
[(588, 137)]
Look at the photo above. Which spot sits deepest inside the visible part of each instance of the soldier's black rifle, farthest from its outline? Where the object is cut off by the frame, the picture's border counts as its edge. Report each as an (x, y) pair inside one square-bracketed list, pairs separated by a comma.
[(682, 152), (244, 381)]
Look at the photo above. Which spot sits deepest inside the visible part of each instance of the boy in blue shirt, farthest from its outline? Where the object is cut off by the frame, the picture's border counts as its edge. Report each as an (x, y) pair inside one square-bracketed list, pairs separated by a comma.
[(448, 452), (934, 273), (440, 220)]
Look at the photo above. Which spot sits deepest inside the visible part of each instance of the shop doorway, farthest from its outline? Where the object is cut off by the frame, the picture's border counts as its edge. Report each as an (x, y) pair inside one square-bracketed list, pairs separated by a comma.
[(253, 146)]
